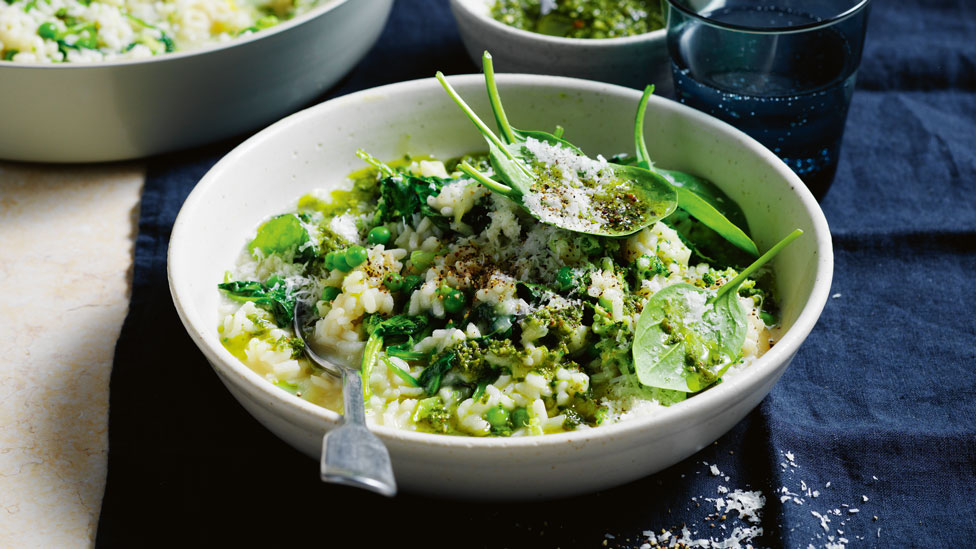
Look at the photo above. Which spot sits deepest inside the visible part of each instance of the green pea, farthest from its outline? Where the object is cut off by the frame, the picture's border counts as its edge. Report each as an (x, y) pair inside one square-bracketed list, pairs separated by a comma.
[(410, 283), (564, 279), (47, 30), (378, 235), (454, 301), (768, 318), (330, 292), (356, 255), (421, 260), (520, 417), (497, 417), (339, 262), (329, 260), (393, 282)]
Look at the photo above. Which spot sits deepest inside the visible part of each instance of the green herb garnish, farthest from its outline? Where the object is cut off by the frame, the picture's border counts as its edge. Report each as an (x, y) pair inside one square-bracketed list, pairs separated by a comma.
[(686, 338), (399, 326), (272, 296)]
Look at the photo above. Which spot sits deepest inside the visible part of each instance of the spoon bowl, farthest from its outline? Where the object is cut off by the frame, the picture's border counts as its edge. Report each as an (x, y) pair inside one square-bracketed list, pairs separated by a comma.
[(351, 454)]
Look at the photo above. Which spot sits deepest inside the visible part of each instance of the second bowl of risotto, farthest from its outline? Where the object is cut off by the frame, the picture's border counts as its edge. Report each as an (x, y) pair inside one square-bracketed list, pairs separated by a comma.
[(498, 351), (91, 81)]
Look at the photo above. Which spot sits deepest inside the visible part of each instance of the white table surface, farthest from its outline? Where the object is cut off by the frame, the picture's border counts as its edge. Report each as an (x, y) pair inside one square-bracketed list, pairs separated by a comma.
[(66, 246)]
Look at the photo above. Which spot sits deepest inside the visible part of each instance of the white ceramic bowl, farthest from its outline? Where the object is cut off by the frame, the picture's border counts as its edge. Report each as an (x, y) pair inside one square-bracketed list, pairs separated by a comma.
[(130, 109), (316, 148), (634, 61)]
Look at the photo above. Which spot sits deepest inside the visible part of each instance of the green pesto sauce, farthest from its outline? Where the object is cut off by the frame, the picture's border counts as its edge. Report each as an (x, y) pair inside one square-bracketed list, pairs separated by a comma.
[(702, 357), (582, 18), (361, 198), (236, 345)]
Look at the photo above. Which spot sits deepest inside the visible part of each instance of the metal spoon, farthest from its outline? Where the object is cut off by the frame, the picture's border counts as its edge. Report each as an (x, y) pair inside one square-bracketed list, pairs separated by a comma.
[(351, 454)]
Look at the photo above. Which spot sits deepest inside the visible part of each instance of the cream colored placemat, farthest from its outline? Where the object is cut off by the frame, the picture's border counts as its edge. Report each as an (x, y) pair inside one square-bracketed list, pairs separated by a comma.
[(66, 240)]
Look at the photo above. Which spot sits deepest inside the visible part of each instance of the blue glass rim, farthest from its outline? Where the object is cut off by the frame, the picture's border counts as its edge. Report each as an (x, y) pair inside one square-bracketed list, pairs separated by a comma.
[(853, 10)]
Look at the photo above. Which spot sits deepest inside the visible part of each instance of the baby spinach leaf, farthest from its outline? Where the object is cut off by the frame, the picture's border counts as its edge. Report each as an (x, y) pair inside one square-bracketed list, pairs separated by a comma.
[(404, 194), (686, 338), (405, 351), (620, 200), (370, 353), (399, 325), (707, 244), (430, 378), (412, 381), (271, 296), (693, 192), (710, 193), (697, 206), (671, 351), (533, 294), (397, 200), (493, 326), (379, 329)]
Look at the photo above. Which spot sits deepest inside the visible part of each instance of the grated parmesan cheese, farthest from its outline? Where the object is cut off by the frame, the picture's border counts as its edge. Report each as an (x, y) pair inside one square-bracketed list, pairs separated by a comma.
[(568, 202)]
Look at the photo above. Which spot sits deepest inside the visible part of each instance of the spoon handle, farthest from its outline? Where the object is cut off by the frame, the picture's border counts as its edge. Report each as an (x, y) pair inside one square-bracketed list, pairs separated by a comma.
[(354, 409), (351, 454)]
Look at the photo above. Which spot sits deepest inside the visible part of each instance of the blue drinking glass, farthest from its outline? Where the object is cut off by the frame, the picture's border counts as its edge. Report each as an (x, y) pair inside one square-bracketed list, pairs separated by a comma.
[(780, 70)]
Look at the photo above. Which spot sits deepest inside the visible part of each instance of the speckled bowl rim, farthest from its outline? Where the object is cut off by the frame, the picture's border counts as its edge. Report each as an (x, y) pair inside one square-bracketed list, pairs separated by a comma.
[(593, 43), (705, 405), (315, 12)]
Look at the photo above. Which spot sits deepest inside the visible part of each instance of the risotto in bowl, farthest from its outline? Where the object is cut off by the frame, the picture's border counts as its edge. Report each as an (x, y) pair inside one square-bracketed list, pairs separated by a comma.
[(103, 80), (500, 352)]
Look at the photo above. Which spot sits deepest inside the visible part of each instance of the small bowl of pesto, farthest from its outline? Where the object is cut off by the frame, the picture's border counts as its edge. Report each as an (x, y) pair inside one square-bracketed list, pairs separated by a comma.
[(621, 42)]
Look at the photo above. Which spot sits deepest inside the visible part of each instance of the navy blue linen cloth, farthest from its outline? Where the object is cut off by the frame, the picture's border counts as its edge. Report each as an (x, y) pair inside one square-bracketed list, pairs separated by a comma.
[(869, 439)]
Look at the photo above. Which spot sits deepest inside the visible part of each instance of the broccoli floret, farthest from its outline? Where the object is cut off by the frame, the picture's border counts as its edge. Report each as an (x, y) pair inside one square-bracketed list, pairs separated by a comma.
[(431, 413), (562, 321), (614, 345), (471, 359), (646, 267), (715, 276)]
